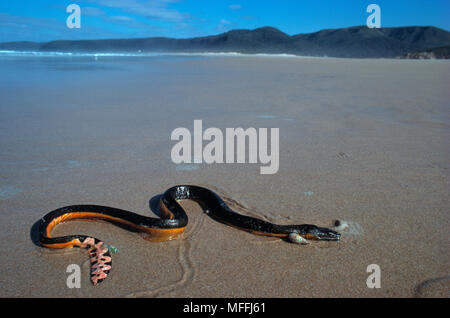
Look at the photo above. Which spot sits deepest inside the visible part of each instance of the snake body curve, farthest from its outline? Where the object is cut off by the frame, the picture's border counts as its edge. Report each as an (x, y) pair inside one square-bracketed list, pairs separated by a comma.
[(170, 225)]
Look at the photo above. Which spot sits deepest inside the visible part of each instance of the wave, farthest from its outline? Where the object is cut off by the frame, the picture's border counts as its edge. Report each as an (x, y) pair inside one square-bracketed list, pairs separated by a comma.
[(13, 53)]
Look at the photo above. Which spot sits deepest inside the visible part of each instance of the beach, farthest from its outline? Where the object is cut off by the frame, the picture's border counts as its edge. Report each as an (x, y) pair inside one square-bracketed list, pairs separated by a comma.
[(364, 141)]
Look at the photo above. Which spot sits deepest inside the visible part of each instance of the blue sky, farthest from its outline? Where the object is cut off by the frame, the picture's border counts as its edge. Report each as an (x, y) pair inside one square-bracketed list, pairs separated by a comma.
[(44, 20)]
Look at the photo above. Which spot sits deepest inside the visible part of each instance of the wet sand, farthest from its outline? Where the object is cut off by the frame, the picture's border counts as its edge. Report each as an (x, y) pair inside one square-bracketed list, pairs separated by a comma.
[(364, 141)]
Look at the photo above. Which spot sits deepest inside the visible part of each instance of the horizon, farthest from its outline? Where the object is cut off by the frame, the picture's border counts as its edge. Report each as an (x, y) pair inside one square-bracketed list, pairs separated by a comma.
[(262, 27), (43, 21)]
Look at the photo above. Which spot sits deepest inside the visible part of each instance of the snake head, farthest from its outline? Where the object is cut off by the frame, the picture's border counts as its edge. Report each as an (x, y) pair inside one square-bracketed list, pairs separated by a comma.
[(313, 232)]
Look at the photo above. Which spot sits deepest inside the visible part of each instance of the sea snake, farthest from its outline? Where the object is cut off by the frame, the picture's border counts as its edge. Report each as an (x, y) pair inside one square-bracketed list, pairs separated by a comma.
[(171, 223)]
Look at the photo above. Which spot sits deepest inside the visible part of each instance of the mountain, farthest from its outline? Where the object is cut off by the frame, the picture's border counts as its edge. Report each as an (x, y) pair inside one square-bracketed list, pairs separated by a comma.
[(363, 42), (354, 42)]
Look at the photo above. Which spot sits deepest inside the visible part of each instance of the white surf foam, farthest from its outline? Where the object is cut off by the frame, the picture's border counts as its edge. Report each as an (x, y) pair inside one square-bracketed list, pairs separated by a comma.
[(139, 54)]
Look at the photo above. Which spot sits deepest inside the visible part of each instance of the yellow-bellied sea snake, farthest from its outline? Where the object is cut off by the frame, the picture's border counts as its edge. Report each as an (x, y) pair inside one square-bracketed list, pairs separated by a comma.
[(171, 224)]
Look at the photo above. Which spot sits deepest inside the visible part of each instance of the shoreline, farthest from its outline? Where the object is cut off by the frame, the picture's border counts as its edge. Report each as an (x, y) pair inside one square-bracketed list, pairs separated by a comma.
[(48, 54)]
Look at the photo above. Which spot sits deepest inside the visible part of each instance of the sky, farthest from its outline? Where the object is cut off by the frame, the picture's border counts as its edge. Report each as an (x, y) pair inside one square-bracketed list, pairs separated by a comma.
[(45, 20)]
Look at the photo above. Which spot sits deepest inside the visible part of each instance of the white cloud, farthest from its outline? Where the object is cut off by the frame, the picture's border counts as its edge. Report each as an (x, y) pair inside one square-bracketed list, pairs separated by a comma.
[(122, 18), (152, 9), (20, 28), (235, 6), (92, 11)]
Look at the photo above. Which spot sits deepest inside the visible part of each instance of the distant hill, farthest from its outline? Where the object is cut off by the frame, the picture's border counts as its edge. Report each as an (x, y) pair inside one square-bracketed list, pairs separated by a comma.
[(354, 42)]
